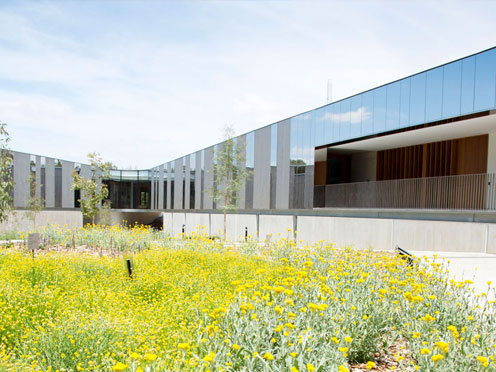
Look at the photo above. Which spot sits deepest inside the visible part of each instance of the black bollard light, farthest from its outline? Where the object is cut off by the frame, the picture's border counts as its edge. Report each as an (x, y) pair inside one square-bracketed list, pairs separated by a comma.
[(129, 268), (246, 233)]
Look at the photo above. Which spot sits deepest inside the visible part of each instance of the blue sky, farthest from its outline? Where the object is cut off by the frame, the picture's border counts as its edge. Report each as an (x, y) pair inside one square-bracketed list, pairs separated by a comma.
[(144, 82)]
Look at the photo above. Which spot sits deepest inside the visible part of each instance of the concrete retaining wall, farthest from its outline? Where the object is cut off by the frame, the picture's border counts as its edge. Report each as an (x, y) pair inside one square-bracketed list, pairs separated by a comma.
[(362, 233), (18, 220)]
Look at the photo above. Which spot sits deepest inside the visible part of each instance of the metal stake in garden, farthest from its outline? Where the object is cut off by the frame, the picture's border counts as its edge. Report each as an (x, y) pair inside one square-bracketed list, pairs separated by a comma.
[(129, 268)]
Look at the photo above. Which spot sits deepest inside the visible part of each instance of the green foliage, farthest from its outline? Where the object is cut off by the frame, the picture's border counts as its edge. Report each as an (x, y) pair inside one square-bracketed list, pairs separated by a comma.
[(93, 191), (6, 181), (229, 172), (35, 203)]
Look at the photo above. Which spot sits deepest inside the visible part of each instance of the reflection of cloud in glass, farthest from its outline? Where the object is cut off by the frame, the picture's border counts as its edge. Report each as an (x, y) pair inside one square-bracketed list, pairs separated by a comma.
[(356, 116)]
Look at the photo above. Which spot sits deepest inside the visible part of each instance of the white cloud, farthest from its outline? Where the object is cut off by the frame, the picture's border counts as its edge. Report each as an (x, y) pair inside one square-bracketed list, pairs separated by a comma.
[(159, 81), (355, 117)]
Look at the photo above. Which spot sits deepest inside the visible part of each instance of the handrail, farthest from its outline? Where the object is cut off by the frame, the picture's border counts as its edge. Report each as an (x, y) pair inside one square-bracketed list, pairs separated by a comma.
[(462, 192)]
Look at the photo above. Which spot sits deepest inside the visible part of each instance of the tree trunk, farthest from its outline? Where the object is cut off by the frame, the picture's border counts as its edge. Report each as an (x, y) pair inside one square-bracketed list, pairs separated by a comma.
[(225, 215)]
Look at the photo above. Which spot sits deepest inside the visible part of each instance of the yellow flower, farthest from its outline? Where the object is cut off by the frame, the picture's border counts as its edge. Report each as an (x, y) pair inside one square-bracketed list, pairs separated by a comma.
[(149, 357), (210, 357), (135, 355), (183, 346), (443, 346), (483, 360), (236, 347), (343, 349), (425, 351), (310, 367), (348, 339), (343, 369), (268, 356), (294, 369), (436, 358), (119, 367), (370, 365)]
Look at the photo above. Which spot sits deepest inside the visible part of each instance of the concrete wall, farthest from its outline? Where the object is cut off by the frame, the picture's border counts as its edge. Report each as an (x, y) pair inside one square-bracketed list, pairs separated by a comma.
[(19, 221), (178, 183), (21, 176), (49, 182), (160, 187), (167, 222), (277, 226), (198, 222), (361, 233), (235, 225), (282, 191), (67, 193)]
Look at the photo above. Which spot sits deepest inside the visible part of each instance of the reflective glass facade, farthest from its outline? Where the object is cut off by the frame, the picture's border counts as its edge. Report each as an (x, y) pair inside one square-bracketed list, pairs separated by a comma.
[(281, 156)]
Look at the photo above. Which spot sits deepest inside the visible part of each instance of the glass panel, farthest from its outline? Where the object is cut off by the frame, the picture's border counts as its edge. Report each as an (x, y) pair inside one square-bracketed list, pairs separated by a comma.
[(405, 103), (129, 175), (417, 99), (293, 139), (468, 75), (327, 113), (393, 106), (434, 94), (115, 175), (380, 110), (319, 126), (452, 84), (144, 175), (273, 145), (309, 152), (368, 113), (356, 116), (250, 150), (306, 124), (301, 138), (485, 81), (335, 122), (344, 127)]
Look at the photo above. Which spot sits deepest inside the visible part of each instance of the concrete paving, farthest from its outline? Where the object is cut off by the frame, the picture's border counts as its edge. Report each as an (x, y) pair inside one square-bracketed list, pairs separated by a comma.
[(478, 267)]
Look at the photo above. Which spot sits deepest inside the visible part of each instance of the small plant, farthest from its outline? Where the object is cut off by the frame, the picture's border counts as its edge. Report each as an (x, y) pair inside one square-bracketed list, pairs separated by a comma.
[(93, 191), (35, 203), (6, 180), (229, 173)]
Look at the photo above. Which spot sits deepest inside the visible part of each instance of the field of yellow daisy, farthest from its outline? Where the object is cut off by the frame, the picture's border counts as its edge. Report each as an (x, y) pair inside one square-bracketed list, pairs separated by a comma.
[(196, 304)]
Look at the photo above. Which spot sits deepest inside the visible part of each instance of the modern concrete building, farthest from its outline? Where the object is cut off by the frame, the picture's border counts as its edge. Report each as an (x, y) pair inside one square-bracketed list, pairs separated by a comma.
[(419, 148)]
